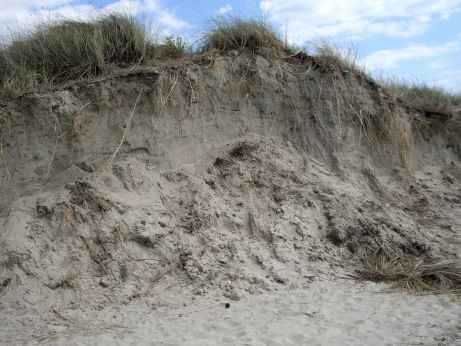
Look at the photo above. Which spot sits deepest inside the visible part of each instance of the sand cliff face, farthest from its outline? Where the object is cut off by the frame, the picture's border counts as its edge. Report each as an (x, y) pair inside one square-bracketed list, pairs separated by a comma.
[(235, 173), (177, 113)]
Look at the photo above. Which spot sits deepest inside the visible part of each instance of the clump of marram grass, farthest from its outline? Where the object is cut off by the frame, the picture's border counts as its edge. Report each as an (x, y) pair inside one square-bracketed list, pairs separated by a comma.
[(68, 49), (173, 48), (422, 97), (411, 273), (330, 54), (230, 33)]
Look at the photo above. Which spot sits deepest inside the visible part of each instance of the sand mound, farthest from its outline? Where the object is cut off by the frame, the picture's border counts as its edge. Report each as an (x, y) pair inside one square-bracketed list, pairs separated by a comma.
[(231, 174)]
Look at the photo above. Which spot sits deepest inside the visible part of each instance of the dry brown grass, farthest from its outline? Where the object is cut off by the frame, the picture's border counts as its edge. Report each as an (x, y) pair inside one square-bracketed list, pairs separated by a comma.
[(411, 273)]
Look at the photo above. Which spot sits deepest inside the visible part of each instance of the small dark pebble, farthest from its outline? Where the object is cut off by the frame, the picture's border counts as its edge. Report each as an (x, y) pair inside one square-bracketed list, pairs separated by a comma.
[(227, 305)]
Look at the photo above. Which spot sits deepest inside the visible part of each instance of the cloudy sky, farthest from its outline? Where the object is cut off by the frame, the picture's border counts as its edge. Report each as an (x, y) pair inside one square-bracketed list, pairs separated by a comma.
[(414, 39)]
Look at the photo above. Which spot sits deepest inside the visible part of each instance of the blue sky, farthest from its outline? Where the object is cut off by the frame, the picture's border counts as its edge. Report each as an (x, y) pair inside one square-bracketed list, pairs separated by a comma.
[(415, 39)]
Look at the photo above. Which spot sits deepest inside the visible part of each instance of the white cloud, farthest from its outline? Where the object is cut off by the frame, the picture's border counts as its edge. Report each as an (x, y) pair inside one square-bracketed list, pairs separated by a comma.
[(439, 64), (23, 14), (223, 9), (387, 58), (163, 16), (32, 3), (450, 80), (357, 18)]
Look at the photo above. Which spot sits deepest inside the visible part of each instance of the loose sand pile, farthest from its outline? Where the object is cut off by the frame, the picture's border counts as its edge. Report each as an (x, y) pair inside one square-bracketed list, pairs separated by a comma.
[(216, 178)]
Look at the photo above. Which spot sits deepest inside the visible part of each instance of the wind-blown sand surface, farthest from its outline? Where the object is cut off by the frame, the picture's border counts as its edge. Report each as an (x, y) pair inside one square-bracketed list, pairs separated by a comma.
[(322, 313)]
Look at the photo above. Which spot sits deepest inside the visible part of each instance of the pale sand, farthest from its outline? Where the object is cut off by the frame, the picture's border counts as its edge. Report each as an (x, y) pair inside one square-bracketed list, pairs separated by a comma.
[(324, 313)]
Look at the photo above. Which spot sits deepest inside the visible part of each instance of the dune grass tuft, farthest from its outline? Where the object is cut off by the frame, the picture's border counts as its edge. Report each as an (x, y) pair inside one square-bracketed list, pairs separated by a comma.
[(172, 48), (66, 50), (229, 33), (330, 54), (411, 273), (422, 97)]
